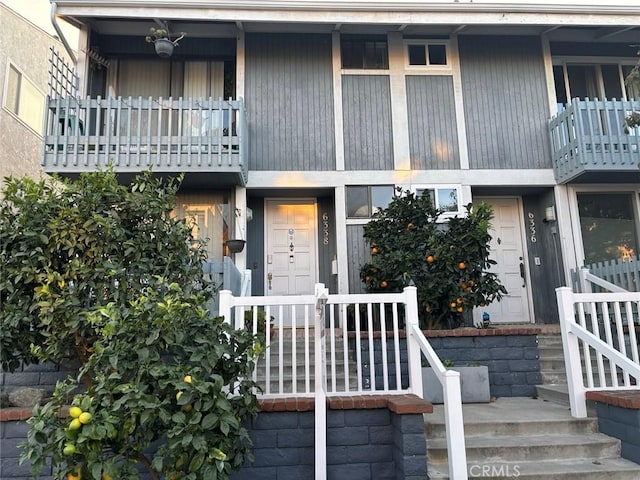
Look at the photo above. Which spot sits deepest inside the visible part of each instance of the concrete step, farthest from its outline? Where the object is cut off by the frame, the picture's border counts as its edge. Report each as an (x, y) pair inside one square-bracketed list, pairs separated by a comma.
[(554, 377), (531, 439), (530, 447), (585, 469), (559, 395)]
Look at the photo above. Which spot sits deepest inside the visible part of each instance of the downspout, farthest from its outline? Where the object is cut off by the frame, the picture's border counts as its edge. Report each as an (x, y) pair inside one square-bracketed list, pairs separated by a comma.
[(54, 22)]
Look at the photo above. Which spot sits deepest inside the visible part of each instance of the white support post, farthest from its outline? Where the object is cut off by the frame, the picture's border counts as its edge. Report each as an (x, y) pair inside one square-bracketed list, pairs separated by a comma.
[(224, 305), (454, 421), (575, 384), (322, 295), (585, 285), (413, 348)]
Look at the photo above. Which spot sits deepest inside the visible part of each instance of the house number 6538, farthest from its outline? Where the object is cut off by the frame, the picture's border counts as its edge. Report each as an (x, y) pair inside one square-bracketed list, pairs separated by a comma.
[(325, 228)]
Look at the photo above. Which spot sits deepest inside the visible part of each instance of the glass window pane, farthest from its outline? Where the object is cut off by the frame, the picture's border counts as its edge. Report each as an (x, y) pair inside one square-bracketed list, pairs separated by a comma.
[(612, 81), (417, 55), (608, 226), (448, 199), (208, 216), (358, 202), (364, 52), (633, 88), (582, 81), (376, 55), (561, 92), (31, 105), (352, 54), (381, 196), (13, 87), (430, 192), (437, 55)]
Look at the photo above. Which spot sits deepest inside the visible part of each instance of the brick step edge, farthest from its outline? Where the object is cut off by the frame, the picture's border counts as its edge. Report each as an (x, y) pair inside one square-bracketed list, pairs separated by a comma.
[(400, 404)]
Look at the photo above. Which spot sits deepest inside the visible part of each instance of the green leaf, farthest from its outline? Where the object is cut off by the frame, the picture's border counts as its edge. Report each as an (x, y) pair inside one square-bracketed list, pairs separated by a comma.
[(209, 421), (196, 462)]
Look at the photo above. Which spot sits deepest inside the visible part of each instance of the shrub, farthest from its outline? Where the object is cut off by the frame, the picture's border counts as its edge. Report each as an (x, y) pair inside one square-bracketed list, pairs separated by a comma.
[(447, 261), (102, 274)]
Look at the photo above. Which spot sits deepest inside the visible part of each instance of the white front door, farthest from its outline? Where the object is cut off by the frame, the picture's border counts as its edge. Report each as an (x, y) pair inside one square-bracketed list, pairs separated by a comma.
[(508, 251), (291, 252)]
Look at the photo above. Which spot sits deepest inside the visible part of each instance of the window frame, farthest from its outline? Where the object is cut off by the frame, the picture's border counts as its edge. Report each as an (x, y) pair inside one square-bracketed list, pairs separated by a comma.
[(367, 219), (22, 77), (418, 188), (565, 61), (363, 70), (427, 68), (578, 244)]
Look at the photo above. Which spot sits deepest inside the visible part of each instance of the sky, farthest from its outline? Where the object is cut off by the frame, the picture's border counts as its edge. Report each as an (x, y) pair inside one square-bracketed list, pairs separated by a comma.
[(39, 13)]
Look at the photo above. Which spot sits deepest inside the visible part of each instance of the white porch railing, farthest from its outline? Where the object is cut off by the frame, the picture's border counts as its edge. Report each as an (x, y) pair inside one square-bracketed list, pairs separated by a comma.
[(613, 275), (132, 134), (600, 325), (345, 345), (588, 137)]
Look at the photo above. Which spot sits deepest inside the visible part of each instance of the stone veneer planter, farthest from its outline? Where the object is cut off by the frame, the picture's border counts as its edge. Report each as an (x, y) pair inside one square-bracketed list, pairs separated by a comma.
[(379, 437), (509, 353), (474, 384)]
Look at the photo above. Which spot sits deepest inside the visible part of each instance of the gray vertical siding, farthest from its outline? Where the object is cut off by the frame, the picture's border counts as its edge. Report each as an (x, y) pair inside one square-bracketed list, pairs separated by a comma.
[(368, 141), (289, 99), (255, 245), (433, 138), (357, 254), (548, 275), (327, 250), (505, 102)]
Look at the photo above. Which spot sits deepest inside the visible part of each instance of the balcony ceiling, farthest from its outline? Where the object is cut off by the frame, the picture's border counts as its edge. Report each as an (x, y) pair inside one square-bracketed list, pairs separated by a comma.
[(204, 29)]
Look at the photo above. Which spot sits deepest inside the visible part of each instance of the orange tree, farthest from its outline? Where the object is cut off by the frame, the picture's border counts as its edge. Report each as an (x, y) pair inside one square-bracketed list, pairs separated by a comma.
[(448, 261), (102, 274)]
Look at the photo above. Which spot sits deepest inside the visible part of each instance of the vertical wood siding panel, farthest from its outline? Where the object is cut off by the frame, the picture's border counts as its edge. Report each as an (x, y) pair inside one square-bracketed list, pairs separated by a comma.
[(255, 246), (505, 102), (367, 122), (358, 254), (289, 98), (433, 137)]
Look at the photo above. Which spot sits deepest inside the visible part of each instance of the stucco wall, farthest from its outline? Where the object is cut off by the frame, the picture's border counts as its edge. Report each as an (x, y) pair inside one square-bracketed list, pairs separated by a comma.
[(27, 47)]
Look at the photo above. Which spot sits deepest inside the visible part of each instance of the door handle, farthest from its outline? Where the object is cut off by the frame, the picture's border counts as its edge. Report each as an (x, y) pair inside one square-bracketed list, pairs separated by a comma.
[(269, 278), (522, 274)]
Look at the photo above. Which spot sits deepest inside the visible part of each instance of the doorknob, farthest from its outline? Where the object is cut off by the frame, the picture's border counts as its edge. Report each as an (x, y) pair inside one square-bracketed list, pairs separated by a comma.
[(269, 278)]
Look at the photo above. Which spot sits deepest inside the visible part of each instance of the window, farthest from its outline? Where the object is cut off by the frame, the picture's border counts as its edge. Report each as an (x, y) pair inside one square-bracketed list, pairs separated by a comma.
[(608, 225), (426, 54), (591, 80), (364, 201), (444, 197), (364, 52), (23, 99), (207, 214)]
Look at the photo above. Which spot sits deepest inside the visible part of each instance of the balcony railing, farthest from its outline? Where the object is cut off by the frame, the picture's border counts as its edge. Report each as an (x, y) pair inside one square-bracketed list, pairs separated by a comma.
[(589, 142), (131, 134)]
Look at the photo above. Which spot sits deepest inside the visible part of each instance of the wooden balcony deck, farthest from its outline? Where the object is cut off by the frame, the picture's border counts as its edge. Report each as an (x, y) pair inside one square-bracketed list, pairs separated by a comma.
[(194, 136), (589, 143)]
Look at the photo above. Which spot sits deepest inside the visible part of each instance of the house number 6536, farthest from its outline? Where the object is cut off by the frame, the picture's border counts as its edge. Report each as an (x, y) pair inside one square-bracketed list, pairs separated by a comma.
[(532, 228)]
